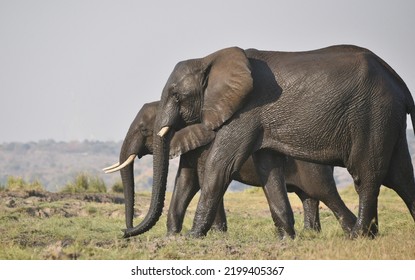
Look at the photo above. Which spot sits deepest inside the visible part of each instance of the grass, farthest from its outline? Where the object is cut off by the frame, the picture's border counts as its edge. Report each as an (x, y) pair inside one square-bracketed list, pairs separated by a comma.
[(74, 229)]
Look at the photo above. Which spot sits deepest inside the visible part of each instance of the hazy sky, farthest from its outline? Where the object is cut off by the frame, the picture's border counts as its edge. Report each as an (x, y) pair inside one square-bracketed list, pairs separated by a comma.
[(75, 70)]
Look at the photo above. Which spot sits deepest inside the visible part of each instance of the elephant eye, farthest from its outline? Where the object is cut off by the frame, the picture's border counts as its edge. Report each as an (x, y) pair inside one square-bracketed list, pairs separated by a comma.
[(176, 97), (145, 132)]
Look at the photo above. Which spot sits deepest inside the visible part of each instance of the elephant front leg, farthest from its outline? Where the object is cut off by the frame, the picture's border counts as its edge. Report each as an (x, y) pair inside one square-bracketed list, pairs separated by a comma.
[(211, 196), (210, 206), (270, 168), (227, 154), (185, 188)]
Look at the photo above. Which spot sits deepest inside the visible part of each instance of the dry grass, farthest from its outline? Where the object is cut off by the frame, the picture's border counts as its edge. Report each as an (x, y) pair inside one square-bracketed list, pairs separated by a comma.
[(91, 230)]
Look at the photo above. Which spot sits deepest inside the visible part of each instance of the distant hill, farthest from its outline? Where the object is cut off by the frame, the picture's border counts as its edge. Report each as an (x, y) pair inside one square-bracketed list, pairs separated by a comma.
[(55, 164)]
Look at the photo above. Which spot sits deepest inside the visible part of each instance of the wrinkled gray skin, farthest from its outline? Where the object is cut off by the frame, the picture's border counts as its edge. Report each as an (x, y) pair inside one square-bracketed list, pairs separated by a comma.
[(340, 105), (303, 178)]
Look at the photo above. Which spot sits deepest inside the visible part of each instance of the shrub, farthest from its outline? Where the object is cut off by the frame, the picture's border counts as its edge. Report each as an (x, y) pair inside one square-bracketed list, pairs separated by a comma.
[(117, 187), (19, 184), (84, 183)]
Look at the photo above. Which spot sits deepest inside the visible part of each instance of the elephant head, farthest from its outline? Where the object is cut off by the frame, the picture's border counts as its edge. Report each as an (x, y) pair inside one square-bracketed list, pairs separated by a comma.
[(199, 96), (137, 143)]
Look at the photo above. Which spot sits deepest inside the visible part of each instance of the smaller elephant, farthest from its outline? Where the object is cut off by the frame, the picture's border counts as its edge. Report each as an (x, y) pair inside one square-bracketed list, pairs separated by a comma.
[(311, 182)]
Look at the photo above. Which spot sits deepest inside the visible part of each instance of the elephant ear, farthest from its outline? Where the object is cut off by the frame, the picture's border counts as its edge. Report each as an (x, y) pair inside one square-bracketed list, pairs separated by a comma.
[(229, 82), (190, 138)]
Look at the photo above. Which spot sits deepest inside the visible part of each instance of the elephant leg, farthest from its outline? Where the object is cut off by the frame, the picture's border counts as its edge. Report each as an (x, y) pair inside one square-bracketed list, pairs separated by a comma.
[(401, 175), (225, 158), (220, 223), (323, 187), (186, 186), (325, 190), (343, 214), (368, 190), (185, 189), (389, 163), (311, 211), (214, 187), (270, 167), (367, 220)]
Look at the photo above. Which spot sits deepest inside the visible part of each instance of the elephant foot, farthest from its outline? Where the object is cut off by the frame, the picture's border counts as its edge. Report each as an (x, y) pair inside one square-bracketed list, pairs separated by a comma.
[(222, 227), (195, 234), (173, 232), (313, 226), (282, 234), (348, 224), (372, 232)]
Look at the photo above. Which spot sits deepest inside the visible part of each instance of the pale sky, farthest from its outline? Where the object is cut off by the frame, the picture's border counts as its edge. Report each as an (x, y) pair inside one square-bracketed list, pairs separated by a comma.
[(79, 69)]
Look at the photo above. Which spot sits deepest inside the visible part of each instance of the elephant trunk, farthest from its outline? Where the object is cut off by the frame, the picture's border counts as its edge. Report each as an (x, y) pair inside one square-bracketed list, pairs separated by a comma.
[(160, 170), (127, 156), (127, 177)]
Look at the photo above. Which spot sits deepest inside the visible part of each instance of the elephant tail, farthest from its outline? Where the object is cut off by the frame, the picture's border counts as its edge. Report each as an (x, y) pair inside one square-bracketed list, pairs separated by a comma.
[(411, 109), (413, 118)]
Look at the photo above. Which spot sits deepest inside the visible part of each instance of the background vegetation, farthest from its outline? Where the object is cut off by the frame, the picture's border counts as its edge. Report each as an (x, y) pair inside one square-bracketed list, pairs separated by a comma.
[(55, 164), (36, 225)]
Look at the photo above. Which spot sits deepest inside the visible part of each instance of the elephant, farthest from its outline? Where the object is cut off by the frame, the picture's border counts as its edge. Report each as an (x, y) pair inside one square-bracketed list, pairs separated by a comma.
[(307, 180), (340, 105)]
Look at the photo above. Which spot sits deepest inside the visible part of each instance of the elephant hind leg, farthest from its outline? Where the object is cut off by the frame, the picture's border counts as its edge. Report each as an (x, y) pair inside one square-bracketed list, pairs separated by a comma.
[(368, 164), (318, 182), (367, 220), (311, 210), (400, 175), (220, 223), (334, 202), (270, 167), (367, 181)]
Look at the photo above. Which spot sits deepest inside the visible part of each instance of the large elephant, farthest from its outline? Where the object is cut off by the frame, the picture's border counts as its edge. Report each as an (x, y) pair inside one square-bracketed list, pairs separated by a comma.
[(303, 178), (340, 105)]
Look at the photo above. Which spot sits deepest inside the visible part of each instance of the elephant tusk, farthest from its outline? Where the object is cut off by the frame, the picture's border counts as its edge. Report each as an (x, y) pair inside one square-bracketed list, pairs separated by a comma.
[(127, 162), (163, 131), (111, 167)]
